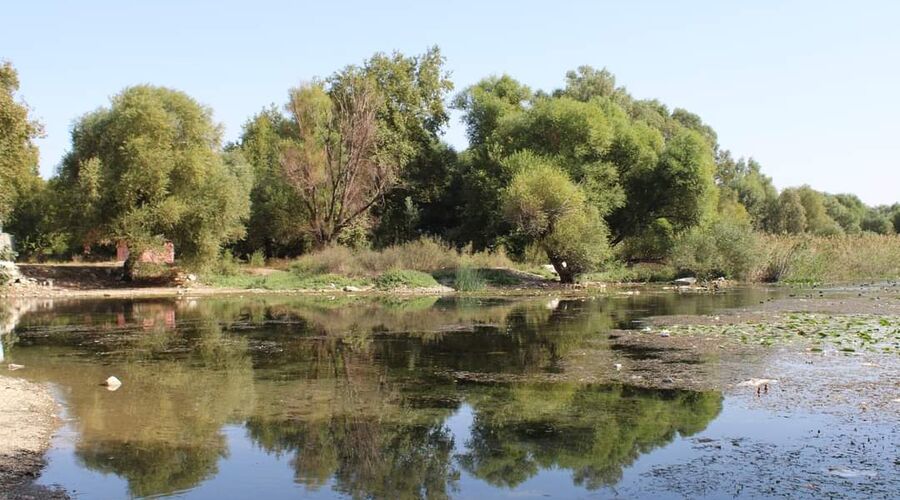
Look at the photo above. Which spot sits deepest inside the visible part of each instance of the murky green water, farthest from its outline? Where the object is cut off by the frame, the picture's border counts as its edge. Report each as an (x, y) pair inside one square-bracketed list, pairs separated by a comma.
[(278, 397)]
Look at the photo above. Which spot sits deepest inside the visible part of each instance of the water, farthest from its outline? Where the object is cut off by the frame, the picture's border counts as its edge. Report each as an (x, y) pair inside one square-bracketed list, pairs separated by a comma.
[(328, 397)]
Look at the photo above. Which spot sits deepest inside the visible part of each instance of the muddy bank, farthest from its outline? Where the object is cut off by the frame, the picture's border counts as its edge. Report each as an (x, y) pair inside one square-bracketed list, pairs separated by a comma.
[(28, 417)]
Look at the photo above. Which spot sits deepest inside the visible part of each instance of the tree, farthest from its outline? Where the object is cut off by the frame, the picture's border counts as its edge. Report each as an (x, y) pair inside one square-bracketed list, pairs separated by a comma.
[(277, 229), (745, 180), (790, 216), (335, 165), (407, 95), (679, 187), (877, 223), (817, 219), (551, 211), (18, 153), (486, 102), (150, 168)]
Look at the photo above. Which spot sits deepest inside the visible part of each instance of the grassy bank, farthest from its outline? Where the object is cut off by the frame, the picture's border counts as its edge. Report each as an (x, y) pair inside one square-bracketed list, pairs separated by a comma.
[(420, 264)]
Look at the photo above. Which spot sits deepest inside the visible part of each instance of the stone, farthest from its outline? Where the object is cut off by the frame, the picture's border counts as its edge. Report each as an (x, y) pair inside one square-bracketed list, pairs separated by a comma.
[(112, 383), (13, 367), (351, 288), (688, 281)]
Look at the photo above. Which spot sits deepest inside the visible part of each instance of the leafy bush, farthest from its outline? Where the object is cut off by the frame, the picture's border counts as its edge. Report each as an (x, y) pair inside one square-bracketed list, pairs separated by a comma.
[(404, 278), (721, 248), (654, 243), (257, 259)]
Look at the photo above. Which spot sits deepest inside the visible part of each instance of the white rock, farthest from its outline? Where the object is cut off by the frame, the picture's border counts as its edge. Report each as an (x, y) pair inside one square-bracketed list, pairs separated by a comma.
[(112, 383), (685, 281), (13, 367), (618, 367), (351, 288)]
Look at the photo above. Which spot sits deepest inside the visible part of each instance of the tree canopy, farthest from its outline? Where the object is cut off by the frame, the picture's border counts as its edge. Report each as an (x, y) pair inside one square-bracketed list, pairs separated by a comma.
[(18, 153), (148, 168)]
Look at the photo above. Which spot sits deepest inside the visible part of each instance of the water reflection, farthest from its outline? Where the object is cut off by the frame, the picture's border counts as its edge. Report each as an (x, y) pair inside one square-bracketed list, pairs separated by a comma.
[(353, 395)]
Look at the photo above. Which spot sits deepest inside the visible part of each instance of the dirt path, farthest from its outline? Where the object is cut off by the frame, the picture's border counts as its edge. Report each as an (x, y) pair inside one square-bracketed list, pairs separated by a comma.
[(27, 421)]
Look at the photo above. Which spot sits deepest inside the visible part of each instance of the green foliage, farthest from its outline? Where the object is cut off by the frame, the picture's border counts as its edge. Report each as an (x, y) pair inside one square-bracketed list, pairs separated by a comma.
[(149, 168), (257, 259), (551, 211), (743, 180), (817, 219), (877, 223), (639, 272), (652, 244), (18, 153), (789, 215), (404, 278), (275, 224), (720, 248)]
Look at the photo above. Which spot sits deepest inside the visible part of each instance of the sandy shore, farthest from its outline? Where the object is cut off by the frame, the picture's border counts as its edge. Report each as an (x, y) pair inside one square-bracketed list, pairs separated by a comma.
[(28, 418)]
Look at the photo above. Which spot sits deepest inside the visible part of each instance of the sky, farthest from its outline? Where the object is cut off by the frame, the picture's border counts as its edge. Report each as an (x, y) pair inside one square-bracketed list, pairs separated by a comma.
[(808, 88)]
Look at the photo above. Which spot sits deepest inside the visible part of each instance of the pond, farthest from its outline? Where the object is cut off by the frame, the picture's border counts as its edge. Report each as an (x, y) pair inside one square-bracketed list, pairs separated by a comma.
[(322, 397)]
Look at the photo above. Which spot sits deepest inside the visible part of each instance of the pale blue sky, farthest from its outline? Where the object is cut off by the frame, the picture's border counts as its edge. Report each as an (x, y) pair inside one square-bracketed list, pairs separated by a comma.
[(809, 88)]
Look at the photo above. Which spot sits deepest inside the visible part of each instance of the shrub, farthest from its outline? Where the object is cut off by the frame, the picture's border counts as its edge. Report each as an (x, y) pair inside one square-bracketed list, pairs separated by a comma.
[(654, 243), (720, 248), (257, 259)]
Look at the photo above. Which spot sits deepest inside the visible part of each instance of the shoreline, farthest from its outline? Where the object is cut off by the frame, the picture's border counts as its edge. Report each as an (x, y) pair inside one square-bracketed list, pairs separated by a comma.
[(28, 420)]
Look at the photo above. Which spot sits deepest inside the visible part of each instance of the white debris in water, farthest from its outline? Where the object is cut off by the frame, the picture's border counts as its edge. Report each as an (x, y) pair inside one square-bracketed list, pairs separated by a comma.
[(112, 383), (756, 382), (848, 473)]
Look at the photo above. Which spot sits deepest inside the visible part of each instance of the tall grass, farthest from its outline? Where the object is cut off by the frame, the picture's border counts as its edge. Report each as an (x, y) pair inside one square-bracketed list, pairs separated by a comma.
[(804, 259), (468, 279), (426, 255)]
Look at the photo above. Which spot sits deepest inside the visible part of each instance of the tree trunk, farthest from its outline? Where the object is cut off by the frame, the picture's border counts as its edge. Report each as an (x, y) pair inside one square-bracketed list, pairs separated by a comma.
[(566, 276), (128, 269)]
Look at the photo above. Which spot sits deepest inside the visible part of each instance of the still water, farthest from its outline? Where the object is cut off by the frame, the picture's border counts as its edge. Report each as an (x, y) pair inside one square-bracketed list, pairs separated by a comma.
[(280, 397)]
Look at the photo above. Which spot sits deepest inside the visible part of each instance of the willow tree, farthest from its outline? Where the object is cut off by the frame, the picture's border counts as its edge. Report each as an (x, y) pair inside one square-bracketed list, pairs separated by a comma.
[(554, 213), (150, 168), (335, 163)]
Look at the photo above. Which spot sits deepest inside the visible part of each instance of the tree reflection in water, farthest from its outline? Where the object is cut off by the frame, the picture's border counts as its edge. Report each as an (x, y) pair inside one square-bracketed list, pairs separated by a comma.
[(357, 393)]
